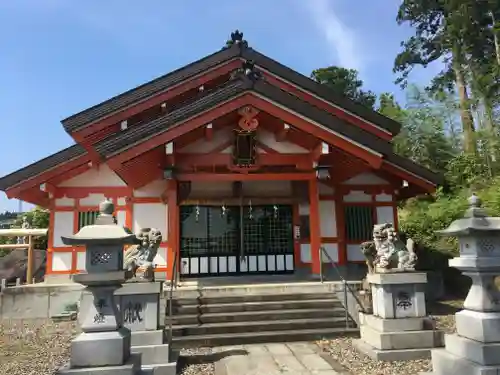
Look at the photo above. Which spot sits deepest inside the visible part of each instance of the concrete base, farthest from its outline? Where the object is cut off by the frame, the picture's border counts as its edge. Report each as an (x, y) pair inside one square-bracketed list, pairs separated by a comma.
[(153, 354), (100, 349), (164, 369), (143, 338), (131, 367), (401, 340), (478, 326), (391, 355), (444, 363), (486, 354), (391, 325)]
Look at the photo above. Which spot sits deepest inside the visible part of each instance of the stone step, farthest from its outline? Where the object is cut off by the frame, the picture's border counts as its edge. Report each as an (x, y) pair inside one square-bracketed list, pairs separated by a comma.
[(260, 326), (266, 315), (322, 303), (240, 298), (244, 338)]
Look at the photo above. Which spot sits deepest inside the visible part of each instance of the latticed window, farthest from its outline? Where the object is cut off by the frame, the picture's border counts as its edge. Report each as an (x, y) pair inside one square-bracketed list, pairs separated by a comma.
[(359, 221), (87, 218)]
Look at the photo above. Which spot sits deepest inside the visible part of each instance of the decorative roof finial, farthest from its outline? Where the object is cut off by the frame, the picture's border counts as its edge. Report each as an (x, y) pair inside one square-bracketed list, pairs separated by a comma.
[(475, 201), (106, 210), (237, 38), (475, 209)]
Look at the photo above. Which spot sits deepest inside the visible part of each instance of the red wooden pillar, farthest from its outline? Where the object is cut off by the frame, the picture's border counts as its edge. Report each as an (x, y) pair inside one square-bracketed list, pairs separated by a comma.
[(173, 226), (314, 226)]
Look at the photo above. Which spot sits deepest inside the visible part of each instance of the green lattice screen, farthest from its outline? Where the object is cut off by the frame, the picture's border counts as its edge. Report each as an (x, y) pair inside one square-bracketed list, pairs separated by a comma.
[(87, 218), (359, 221)]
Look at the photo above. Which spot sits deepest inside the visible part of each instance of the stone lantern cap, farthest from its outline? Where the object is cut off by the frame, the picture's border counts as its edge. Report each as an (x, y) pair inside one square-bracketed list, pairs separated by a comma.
[(475, 221), (104, 231)]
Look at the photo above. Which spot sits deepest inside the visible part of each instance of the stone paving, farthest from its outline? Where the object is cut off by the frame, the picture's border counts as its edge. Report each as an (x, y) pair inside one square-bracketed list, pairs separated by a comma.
[(300, 358)]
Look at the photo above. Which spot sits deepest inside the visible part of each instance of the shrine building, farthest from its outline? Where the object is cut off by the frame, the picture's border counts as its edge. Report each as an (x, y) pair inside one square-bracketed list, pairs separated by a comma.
[(244, 165)]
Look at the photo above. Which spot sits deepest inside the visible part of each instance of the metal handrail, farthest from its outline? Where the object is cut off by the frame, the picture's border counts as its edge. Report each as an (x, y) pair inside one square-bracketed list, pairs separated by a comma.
[(173, 284), (322, 251)]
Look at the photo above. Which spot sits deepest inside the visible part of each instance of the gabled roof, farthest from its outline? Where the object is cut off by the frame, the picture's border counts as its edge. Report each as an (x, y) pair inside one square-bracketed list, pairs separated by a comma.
[(120, 142), (147, 90), (36, 168), (238, 49), (125, 140)]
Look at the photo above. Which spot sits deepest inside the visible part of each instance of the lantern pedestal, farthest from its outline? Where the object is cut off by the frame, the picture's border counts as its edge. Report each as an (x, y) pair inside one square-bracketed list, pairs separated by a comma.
[(475, 348), (104, 346), (396, 330)]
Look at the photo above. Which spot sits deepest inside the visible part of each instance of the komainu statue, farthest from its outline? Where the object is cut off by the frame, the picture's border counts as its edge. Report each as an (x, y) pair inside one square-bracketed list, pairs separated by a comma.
[(138, 259), (387, 252)]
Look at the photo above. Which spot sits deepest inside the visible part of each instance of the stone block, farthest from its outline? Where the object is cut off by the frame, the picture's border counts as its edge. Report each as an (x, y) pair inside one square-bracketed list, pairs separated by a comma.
[(163, 369), (479, 326), (398, 295), (391, 355), (443, 362), (475, 351), (100, 349), (131, 367), (142, 338), (153, 354), (391, 325), (401, 340), (397, 278)]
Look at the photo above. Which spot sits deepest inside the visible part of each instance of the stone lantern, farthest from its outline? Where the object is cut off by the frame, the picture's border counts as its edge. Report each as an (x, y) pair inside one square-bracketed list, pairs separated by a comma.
[(475, 347), (104, 345)]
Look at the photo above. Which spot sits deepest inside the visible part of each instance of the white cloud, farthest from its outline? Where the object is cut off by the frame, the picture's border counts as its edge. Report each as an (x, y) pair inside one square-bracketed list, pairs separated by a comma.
[(340, 38)]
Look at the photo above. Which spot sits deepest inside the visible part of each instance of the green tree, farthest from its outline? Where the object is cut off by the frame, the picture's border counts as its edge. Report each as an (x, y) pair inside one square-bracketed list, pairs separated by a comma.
[(438, 37), (345, 82), (422, 138)]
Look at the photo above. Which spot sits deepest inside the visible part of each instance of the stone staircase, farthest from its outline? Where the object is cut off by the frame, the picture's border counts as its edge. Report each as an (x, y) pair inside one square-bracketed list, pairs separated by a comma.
[(257, 314)]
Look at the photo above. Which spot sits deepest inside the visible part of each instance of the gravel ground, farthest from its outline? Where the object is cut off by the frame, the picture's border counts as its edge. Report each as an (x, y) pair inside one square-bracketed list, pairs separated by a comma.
[(342, 350), (198, 363), (34, 347), (38, 347)]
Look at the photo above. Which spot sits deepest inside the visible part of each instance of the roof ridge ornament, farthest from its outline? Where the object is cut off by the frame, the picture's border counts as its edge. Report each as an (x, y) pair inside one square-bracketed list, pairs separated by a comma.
[(248, 71), (237, 38)]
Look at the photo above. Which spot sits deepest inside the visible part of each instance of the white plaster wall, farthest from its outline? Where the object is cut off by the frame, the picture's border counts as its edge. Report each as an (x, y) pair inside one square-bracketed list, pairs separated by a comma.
[(80, 260), (267, 188), (150, 215), (121, 217), (161, 258), (366, 179), (327, 219), (354, 253), (305, 253), (385, 214), (203, 146), (357, 196), (268, 139), (101, 175), (153, 189), (61, 261), (65, 202), (332, 249), (92, 200), (383, 197), (63, 226)]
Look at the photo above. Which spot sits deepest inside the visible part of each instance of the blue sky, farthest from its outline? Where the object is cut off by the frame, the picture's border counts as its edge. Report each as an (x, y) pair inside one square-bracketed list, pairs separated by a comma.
[(61, 56)]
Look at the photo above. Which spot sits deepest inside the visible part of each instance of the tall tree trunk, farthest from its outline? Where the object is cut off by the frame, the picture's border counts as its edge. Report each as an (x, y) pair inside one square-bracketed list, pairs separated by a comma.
[(495, 37), (465, 111)]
